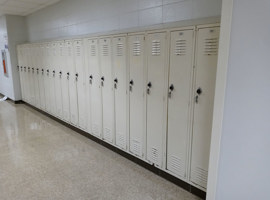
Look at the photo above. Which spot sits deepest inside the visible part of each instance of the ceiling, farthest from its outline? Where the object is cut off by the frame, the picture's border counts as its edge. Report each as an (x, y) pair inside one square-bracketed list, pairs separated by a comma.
[(23, 7)]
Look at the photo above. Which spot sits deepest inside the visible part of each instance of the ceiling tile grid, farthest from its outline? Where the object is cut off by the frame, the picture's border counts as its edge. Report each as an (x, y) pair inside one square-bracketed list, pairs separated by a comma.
[(23, 7)]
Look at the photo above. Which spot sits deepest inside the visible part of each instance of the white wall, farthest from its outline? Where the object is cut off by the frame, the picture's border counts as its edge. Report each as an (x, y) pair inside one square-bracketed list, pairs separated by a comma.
[(244, 166), (12, 32), (80, 17)]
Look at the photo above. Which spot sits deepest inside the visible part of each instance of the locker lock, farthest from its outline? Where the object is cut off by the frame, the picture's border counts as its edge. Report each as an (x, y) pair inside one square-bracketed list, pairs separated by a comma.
[(115, 83), (199, 92), (102, 81), (25, 69), (90, 79), (76, 76), (28, 69), (53, 73), (149, 85), (171, 88), (48, 72), (130, 85), (37, 70), (67, 75)]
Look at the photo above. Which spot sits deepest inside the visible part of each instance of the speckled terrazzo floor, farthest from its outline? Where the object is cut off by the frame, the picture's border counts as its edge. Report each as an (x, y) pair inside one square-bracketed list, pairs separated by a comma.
[(42, 159)]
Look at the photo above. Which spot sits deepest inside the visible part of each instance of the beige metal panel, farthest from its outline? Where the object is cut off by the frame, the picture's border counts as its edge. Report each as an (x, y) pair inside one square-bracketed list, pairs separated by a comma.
[(179, 92), (156, 86), (137, 105), (119, 46), (105, 52), (93, 76), (206, 63)]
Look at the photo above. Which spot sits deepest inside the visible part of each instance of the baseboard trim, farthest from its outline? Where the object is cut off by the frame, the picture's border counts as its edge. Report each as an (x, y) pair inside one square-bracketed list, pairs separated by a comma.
[(159, 172)]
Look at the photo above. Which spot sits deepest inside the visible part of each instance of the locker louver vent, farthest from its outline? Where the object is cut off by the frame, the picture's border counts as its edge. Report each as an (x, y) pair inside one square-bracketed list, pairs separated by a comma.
[(136, 147), (180, 47), (95, 130), (211, 46), (105, 50), (93, 50), (78, 50), (69, 51), (136, 48), (61, 51), (176, 165), (107, 134), (154, 155), (156, 48), (200, 176), (120, 49), (121, 140)]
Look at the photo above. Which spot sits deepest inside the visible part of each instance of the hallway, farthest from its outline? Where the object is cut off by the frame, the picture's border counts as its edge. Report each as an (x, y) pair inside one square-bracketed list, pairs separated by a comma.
[(42, 159)]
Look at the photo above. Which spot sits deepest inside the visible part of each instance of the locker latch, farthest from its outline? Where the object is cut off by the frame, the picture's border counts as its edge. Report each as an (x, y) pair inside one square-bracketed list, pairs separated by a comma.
[(53, 73), (115, 83), (42, 71), (60, 74), (131, 85), (48, 72), (171, 88), (102, 81), (24, 69), (21, 68), (90, 79), (68, 76), (149, 85), (28, 69), (37, 70), (199, 92), (76, 75)]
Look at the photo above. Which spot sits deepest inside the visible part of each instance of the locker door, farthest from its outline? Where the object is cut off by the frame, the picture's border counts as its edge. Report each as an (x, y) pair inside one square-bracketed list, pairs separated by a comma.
[(156, 90), (20, 64), (26, 74), (57, 78), (72, 84), (107, 89), (64, 81), (137, 112), (35, 76), (31, 75), (94, 89), (120, 88), (179, 93), (80, 81), (47, 83), (206, 63), (52, 65), (41, 78)]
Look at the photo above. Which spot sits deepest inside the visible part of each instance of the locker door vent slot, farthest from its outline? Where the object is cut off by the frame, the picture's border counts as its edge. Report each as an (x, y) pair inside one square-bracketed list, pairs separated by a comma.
[(121, 140), (107, 134), (180, 47), (199, 176), (95, 129), (61, 51), (176, 165), (211, 46), (156, 48), (78, 50), (105, 50), (93, 50), (136, 48), (136, 147), (120, 49), (154, 155), (69, 51)]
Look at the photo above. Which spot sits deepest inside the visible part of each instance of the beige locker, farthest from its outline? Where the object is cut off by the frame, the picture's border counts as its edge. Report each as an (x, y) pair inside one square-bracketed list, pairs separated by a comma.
[(40, 73), (94, 102), (80, 82), (137, 103), (119, 44), (71, 75), (205, 68), (21, 70), (64, 79), (47, 77), (105, 52), (51, 64), (156, 96), (35, 74), (31, 83), (179, 97)]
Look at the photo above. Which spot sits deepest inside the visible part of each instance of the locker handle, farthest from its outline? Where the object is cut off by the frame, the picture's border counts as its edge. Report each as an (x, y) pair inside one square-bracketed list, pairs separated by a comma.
[(76, 76), (199, 91), (37, 70), (171, 88), (131, 82), (130, 85), (60, 74), (115, 83), (90, 79), (53, 73), (67, 75), (102, 81), (149, 85), (18, 67)]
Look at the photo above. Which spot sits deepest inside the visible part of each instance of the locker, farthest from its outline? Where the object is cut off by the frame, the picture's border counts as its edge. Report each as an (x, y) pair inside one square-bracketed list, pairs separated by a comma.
[(179, 94), (26, 76), (80, 82), (40, 73), (206, 63), (63, 74), (156, 90), (20, 64), (35, 75), (31, 69), (51, 64), (71, 75), (94, 88), (57, 80), (47, 78), (137, 112), (119, 44), (107, 89)]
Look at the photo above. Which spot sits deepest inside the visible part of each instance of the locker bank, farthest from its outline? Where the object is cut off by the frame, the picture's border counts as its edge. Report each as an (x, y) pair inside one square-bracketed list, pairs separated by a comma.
[(141, 99)]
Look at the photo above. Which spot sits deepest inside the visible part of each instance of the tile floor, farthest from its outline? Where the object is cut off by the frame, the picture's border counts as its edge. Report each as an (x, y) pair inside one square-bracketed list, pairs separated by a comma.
[(42, 159)]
